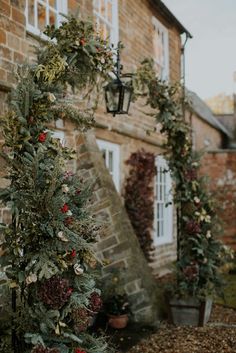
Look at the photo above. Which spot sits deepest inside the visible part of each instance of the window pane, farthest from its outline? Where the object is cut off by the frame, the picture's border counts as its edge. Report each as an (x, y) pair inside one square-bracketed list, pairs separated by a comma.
[(109, 11), (52, 18), (31, 12), (158, 229), (110, 161), (161, 211), (163, 216), (105, 19), (53, 3), (162, 228), (103, 8), (41, 17), (96, 4), (164, 177)]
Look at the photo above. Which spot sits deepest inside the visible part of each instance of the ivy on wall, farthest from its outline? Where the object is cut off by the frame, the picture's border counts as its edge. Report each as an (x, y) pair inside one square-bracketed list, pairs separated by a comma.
[(138, 196)]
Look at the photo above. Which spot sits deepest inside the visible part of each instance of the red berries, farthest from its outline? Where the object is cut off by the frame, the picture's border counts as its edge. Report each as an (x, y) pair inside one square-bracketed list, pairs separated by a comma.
[(82, 42), (78, 350), (65, 208), (73, 253), (42, 137)]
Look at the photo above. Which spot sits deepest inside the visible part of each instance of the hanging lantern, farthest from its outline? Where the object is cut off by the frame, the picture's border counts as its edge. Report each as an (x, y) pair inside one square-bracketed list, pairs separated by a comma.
[(118, 92)]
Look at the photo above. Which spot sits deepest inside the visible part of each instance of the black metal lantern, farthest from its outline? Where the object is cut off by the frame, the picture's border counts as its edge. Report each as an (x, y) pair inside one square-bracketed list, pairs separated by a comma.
[(118, 93)]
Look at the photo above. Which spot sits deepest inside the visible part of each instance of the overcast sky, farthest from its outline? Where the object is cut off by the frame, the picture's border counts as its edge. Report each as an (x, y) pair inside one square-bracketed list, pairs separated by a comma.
[(211, 53)]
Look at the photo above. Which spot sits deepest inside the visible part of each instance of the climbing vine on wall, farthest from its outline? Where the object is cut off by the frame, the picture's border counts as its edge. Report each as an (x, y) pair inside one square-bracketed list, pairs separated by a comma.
[(139, 200), (199, 253)]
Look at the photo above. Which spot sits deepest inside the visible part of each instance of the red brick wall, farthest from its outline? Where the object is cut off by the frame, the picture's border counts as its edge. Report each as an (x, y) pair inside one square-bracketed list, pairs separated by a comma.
[(221, 168)]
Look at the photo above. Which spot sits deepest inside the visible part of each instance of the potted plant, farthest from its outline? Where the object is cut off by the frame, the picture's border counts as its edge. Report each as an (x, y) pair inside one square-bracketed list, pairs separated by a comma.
[(117, 310), (115, 299)]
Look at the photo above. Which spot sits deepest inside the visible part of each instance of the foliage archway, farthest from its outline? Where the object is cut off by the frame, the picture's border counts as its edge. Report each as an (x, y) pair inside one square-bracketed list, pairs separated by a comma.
[(47, 251), (199, 253)]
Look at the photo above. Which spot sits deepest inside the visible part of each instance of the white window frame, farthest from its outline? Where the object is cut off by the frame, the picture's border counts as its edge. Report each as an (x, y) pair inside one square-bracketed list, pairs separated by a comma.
[(163, 187), (115, 149), (164, 75), (114, 24), (60, 135), (62, 8)]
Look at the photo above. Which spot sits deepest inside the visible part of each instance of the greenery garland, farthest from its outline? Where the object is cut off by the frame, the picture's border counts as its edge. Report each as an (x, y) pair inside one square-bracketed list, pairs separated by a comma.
[(139, 200), (47, 247), (199, 254)]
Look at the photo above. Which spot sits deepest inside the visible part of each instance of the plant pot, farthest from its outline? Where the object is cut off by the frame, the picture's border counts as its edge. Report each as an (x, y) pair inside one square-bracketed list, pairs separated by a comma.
[(190, 311), (118, 321)]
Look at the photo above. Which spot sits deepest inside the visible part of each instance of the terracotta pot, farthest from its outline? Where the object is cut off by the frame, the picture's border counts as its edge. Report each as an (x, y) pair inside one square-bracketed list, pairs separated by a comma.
[(118, 321), (189, 311)]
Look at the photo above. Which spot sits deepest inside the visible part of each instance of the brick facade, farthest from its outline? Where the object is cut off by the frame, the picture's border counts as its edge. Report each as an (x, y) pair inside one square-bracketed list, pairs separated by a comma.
[(204, 135), (220, 166), (118, 242)]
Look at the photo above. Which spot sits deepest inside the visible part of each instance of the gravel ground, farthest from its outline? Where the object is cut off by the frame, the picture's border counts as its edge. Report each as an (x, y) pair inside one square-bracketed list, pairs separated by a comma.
[(219, 336)]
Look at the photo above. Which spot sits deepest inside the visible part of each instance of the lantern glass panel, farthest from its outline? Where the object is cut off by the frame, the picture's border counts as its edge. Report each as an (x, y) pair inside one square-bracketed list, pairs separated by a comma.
[(112, 97), (126, 99)]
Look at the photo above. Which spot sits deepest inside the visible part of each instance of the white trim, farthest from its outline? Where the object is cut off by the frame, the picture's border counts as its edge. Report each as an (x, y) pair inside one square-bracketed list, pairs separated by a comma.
[(114, 149), (163, 223), (114, 24), (164, 75), (61, 8), (59, 135)]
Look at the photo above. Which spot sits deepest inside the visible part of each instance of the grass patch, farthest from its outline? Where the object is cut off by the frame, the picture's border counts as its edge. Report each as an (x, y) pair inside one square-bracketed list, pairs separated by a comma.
[(229, 291)]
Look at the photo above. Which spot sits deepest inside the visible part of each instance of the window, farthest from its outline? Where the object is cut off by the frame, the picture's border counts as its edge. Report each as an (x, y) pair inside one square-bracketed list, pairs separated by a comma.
[(106, 18), (60, 135), (111, 155), (40, 13), (161, 49), (163, 210)]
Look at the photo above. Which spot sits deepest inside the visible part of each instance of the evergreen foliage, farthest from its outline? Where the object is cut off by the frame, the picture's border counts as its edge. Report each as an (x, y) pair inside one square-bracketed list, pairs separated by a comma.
[(200, 254), (47, 257)]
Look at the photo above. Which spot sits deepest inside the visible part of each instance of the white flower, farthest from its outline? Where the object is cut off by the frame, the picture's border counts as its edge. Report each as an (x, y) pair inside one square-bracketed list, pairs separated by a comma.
[(78, 269), (69, 213), (51, 97), (195, 164), (208, 219), (205, 260), (32, 278), (196, 199), (103, 61), (62, 237), (65, 188), (208, 234)]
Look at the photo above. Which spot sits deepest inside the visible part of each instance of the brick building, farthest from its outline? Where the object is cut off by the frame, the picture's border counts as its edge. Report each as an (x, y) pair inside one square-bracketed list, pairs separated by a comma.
[(147, 29), (207, 131)]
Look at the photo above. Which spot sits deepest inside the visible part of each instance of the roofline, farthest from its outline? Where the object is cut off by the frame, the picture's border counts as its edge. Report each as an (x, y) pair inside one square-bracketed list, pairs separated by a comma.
[(170, 16), (218, 125), (223, 114)]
